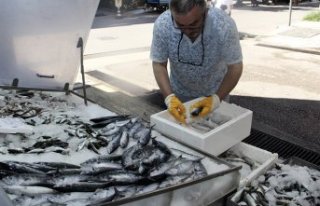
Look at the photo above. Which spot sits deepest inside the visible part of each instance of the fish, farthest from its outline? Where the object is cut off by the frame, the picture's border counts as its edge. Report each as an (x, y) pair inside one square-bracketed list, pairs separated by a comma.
[(119, 177), (105, 139), (200, 127), (124, 139), (49, 143), (102, 195), (158, 172), (125, 191), (73, 202), (163, 147), (50, 199), (64, 171), (81, 133), (207, 122), (180, 153), (183, 168), (59, 165), (82, 145), (92, 146), (142, 158), (80, 186), (26, 180), (173, 180), (109, 118), (19, 167), (102, 158), (16, 150), (28, 190), (111, 129), (125, 177), (32, 112), (96, 168), (156, 157), (134, 129), (199, 170), (114, 144), (145, 136), (148, 188), (128, 160), (196, 111)]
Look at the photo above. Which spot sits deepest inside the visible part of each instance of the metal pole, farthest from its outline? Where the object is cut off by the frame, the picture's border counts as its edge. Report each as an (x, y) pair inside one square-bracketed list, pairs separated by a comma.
[(290, 12), (118, 4), (80, 45)]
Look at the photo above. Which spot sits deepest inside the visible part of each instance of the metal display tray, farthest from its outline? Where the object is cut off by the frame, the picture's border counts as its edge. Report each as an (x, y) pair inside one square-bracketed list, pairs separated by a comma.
[(263, 158), (232, 200), (222, 177)]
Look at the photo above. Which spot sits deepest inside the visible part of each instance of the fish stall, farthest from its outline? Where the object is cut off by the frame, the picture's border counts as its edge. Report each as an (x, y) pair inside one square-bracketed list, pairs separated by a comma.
[(59, 151), (58, 148)]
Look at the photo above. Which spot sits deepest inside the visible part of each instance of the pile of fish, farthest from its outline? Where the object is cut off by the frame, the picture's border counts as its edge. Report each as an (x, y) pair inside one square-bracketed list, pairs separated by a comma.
[(208, 123), (140, 169), (284, 185), (247, 164), (57, 123), (129, 160)]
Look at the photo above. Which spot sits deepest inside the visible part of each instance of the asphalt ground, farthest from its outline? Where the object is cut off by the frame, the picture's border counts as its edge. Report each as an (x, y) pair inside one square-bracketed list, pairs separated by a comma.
[(280, 86)]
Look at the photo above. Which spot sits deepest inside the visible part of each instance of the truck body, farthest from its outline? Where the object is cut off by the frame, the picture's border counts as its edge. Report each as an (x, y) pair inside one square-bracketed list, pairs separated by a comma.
[(157, 4)]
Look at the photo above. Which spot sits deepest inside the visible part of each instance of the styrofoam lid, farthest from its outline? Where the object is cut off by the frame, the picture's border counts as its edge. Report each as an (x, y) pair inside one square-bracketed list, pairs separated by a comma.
[(39, 39)]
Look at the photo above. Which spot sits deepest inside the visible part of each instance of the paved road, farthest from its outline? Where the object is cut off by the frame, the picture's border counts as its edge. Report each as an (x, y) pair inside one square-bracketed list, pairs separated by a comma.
[(280, 86)]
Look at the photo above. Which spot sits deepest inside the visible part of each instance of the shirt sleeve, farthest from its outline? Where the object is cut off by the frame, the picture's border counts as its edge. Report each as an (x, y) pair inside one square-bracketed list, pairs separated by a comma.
[(159, 48), (231, 46)]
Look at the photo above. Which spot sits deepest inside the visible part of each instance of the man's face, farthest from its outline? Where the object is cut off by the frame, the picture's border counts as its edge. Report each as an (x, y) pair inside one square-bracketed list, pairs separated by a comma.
[(191, 23)]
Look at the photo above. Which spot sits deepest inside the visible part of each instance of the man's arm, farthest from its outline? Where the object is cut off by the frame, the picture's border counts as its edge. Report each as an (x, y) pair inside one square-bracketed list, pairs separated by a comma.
[(175, 106), (161, 74), (230, 80)]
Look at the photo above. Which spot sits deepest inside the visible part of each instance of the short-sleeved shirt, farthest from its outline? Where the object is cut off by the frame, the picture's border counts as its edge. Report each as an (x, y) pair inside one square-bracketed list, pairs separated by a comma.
[(192, 76)]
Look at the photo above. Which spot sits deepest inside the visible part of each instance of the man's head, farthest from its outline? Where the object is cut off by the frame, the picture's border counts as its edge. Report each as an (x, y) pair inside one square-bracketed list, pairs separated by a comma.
[(189, 16)]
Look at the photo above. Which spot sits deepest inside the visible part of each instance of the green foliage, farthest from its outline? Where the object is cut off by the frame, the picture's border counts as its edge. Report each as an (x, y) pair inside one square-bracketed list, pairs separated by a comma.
[(313, 16)]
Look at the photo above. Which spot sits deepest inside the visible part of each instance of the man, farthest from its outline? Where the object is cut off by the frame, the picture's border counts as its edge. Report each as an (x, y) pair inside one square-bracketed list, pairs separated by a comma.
[(225, 5), (204, 52)]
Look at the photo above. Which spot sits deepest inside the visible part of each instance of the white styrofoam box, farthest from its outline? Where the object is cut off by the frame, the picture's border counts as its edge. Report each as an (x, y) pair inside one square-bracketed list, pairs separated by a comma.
[(264, 159), (217, 140)]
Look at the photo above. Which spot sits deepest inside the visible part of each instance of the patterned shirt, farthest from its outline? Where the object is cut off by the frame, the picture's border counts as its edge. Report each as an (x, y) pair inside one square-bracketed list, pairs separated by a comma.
[(203, 63)]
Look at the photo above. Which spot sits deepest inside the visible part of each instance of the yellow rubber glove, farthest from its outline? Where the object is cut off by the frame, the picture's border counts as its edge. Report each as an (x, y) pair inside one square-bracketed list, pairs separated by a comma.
[(204, 106), (176, 108)]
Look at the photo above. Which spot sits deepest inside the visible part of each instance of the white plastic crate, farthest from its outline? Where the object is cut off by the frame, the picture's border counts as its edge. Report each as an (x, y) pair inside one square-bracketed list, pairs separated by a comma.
[(217, 140), (263, 158)]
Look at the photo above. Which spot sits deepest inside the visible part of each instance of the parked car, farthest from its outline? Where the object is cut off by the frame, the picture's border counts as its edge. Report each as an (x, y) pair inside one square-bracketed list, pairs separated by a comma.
[(157, 4)]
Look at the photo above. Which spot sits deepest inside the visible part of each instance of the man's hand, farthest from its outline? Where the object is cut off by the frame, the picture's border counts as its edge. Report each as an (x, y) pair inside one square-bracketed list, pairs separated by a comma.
[(176, 108), (205, 106)]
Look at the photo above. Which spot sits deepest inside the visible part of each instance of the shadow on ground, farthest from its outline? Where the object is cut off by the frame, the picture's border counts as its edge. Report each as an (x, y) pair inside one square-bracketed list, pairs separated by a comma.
[(295, 121), (271, 8), (109, 19)]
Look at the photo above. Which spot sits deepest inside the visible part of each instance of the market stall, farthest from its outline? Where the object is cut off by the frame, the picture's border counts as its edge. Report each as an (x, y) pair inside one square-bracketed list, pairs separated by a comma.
[(58, 149)]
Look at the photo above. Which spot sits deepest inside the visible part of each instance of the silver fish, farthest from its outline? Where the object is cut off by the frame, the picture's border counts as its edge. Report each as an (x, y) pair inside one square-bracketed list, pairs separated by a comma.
[(124, 140), (114, 144), (97, 168), (180, 153), (28, 190)]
